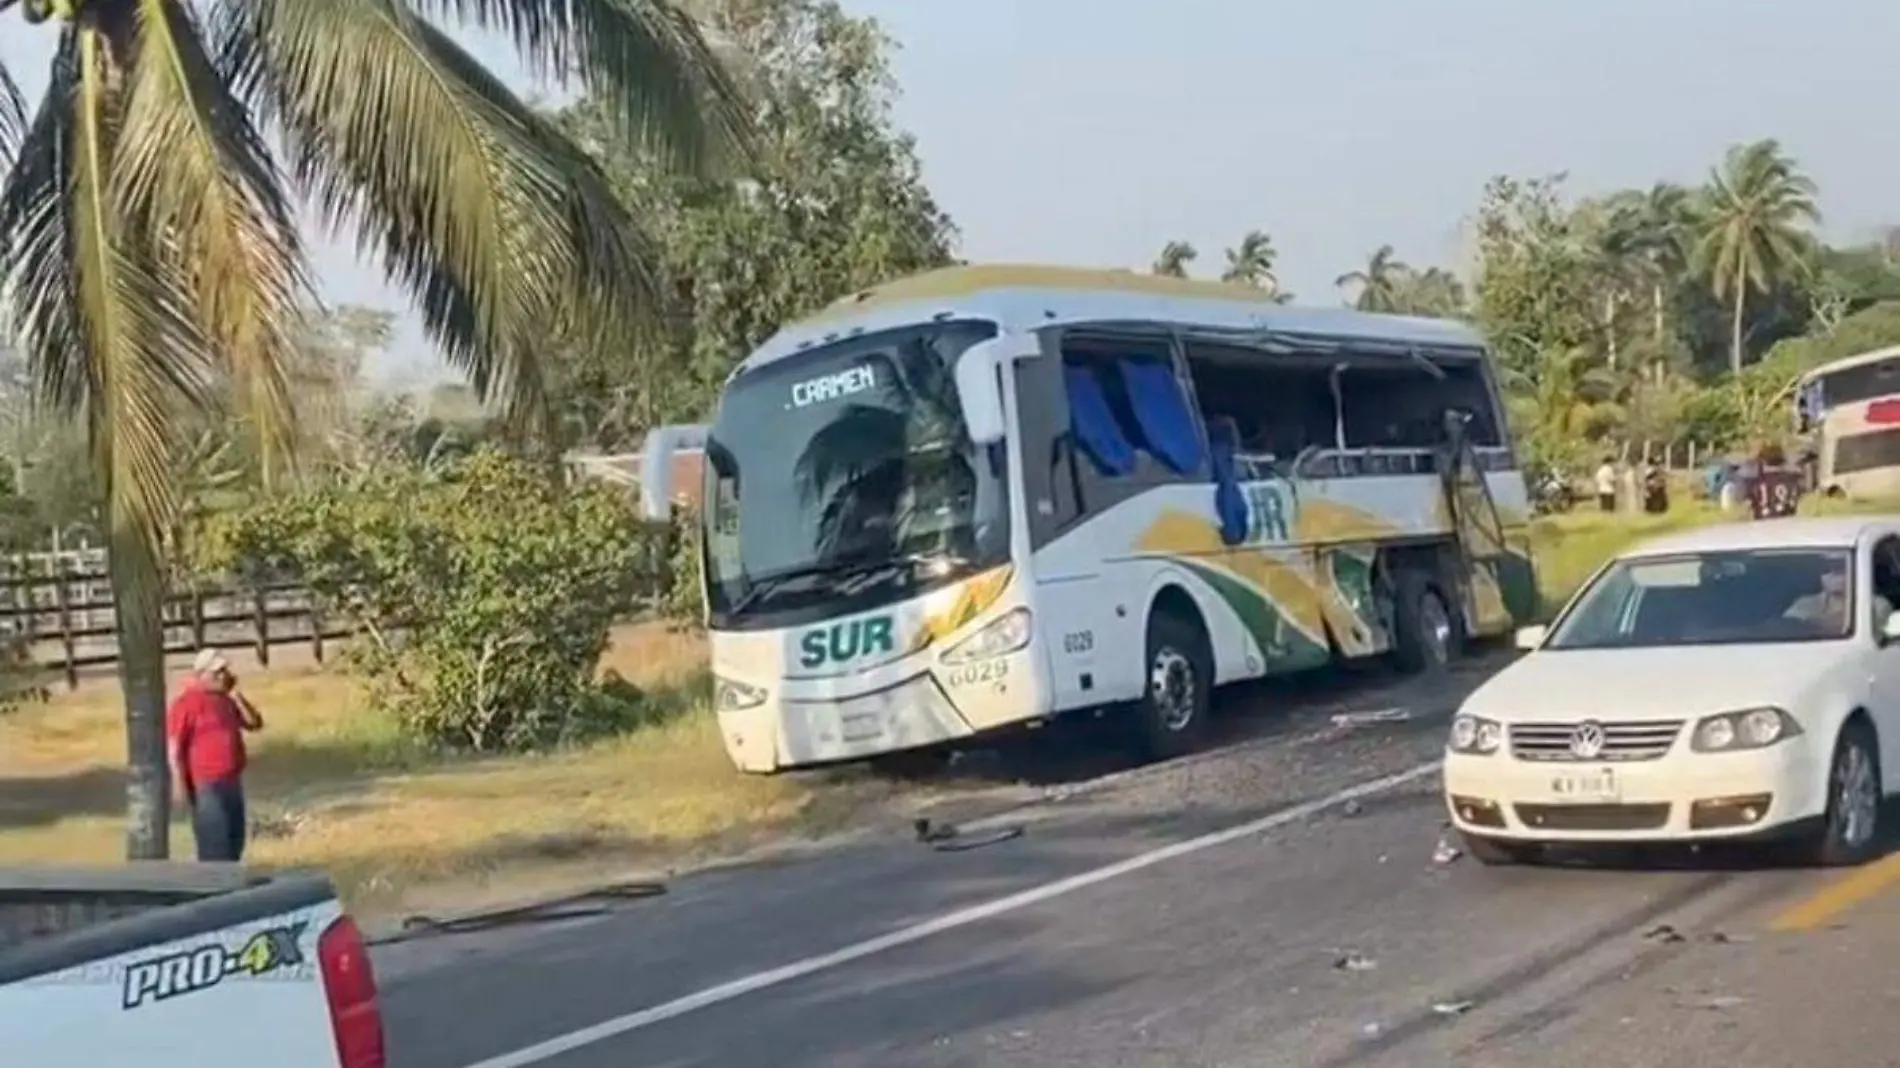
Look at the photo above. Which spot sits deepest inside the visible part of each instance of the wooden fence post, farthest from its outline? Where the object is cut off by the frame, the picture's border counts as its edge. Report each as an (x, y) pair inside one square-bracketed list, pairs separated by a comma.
[(197, 617), (316, 629), (56, 568), (260, 620), (29, 618)]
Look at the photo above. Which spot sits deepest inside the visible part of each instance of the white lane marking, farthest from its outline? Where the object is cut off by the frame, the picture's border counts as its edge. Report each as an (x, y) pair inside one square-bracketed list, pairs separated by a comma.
[(633, 1021)]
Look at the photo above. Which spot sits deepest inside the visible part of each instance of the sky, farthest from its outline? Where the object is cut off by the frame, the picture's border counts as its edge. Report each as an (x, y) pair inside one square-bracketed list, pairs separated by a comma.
[(1090, 132)]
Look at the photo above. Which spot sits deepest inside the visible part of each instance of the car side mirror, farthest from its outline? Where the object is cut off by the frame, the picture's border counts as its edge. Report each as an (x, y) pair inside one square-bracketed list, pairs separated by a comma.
[(1529, 638)]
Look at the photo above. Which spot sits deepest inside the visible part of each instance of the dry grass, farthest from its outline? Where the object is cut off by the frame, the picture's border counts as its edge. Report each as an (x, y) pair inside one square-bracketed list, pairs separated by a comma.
[(1569, 547), (333, 785)]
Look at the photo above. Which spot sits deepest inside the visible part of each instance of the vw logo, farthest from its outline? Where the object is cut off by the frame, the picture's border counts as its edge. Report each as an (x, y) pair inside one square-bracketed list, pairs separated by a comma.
[(1586, 742)]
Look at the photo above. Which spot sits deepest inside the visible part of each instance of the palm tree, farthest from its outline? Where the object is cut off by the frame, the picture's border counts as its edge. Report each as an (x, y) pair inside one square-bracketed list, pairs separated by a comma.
[(1433, 292), (1250, 263), (1758, 208), (1174, 259), (1378, 282), (152, 259), (1668, 223)]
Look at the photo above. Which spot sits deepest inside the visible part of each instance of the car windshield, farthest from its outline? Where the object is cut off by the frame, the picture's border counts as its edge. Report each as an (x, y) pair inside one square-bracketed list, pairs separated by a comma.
[(1713, 598), (847, 472)]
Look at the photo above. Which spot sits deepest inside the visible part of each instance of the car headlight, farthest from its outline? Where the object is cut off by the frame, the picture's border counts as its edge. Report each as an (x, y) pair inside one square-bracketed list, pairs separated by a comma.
[(1474, 735), (731, 696), (1750, 728), (1000, 638)]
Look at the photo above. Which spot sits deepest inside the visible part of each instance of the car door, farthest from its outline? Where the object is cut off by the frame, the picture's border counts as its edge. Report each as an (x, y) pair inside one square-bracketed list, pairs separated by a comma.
[(1884, 585)]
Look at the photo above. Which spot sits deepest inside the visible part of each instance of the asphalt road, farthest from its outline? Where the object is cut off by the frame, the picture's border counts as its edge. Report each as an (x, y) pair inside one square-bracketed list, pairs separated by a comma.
[(1274, 902)]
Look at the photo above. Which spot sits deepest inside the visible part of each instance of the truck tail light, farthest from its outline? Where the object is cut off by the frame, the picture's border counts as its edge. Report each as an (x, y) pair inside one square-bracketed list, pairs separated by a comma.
[(350, 987)]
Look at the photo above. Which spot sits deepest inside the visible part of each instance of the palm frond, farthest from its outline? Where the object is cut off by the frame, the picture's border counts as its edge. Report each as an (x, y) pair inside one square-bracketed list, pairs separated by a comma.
[(12, 120), (503, 230), (192, 169), (129, 357), (38, 257), (648, 60)]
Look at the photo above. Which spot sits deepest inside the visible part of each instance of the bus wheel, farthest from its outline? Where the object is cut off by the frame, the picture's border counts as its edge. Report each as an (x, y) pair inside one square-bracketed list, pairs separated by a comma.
[(1428, 637), (1171, 717)]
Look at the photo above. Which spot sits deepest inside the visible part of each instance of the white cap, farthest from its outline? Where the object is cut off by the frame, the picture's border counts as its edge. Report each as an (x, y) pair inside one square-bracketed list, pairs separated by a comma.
[(208, 661)]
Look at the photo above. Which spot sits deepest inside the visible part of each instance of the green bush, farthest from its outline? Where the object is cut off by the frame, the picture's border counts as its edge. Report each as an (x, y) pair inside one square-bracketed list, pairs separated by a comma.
[(482, 592)]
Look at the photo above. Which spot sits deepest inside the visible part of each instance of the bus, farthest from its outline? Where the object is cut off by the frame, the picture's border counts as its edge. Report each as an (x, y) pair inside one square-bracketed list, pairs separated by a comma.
[(1850, 411), (987, 496)]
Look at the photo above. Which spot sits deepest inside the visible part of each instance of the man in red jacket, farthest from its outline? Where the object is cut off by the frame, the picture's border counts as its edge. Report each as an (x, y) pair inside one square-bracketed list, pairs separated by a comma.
[(205, 729)]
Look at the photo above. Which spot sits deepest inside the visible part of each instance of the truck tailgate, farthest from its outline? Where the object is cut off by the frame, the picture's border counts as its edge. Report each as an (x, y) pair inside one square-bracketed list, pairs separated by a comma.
[(227, 981)]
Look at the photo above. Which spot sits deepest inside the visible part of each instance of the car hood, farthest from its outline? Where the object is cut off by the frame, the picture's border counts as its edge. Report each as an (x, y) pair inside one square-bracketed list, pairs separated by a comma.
[(1679, 681)]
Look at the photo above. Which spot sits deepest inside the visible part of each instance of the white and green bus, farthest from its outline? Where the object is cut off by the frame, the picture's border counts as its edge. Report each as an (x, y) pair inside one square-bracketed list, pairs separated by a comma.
[(983, 497)]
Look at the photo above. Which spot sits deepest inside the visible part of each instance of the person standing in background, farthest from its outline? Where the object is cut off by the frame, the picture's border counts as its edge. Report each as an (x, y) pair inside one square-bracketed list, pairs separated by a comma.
[(1606, 485), (1775, 490), (204, 730)]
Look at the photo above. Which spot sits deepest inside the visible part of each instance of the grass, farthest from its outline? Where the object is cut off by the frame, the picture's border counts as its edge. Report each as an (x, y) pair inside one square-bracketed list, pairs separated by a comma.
[(1568, 548), (332, 784)]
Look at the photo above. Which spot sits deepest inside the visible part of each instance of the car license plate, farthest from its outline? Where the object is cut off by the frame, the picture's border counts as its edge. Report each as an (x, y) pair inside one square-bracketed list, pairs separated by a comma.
[(1586, 786)]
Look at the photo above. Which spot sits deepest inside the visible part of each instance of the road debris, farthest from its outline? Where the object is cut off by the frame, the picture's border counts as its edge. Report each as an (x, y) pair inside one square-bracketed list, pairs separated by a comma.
[(584, 905), (1354, 962), (1665, 934), (1723, 938), (1721, 1002), (1351, 808), (1445, 852), (949, 838), (1372, 718), (1452, 1008)]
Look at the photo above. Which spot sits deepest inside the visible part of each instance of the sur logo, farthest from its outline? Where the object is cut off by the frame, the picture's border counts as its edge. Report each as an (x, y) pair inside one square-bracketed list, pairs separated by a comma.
[(841, 643)]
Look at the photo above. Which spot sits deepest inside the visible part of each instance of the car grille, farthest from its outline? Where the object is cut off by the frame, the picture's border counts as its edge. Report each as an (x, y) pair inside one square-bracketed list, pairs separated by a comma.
[(1644, 817), (1621, 741)]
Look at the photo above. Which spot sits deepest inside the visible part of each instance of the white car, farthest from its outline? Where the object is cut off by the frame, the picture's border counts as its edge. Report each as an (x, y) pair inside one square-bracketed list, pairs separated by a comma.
[(1737, 682)]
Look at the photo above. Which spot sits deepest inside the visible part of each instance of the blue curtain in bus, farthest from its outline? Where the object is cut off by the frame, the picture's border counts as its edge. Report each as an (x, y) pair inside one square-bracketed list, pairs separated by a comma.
[(1161, 411), (1223, 440), (1093, 424)]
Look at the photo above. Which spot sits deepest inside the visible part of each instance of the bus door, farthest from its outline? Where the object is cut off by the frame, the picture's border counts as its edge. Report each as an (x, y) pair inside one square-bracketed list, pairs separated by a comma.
[(1480, 533)]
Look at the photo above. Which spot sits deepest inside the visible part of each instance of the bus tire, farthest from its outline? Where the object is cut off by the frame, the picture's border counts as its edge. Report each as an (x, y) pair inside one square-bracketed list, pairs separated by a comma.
[(1428, 637), (1170, 719)]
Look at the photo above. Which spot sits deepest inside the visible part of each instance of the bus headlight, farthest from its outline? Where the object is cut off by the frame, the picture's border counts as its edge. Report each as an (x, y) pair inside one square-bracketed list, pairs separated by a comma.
[(731, 696), (1000, 638)]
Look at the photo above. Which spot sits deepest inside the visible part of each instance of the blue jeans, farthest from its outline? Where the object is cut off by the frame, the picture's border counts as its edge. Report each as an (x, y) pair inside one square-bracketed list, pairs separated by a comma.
[(217, 820)]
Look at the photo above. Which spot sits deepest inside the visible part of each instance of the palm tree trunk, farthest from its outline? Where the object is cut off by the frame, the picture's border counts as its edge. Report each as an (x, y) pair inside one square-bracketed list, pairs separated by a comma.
[(1735, 330), (1656, 305), (1609, 328), (140, 617)]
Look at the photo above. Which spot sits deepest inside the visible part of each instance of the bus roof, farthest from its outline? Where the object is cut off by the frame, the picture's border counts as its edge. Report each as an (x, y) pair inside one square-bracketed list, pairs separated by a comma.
[(1024, 298), (1846, 362)]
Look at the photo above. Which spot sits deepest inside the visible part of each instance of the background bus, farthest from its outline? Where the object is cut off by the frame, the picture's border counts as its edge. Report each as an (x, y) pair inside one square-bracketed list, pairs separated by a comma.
[(1850, 410)]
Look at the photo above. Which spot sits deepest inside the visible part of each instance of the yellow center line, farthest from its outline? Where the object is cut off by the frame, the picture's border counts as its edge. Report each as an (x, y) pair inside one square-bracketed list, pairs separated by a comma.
[(1839, 895)]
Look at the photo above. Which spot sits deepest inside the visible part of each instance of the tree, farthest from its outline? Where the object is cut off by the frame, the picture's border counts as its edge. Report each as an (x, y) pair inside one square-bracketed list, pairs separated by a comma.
[(835, 204), (1379, 282), (1250, 263), (151, 249), (1174, 259), (1758, 207), (1433, 292), (1535, 282)]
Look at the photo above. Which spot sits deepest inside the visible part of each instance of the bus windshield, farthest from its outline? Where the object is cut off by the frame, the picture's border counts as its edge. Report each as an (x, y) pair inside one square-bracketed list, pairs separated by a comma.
[(845, 473)]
